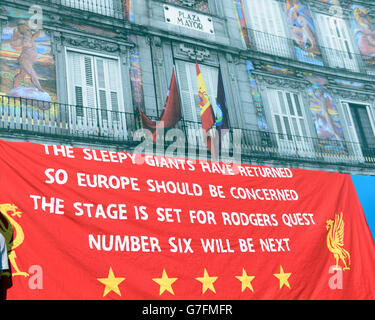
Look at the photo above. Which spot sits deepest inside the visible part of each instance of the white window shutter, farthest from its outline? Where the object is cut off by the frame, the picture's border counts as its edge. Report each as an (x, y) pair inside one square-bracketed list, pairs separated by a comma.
[(336, 40), (114, 83), (371, 115), (354, 140), (90, 94), (289, 122), (81, 82), (94, 88), (187, 91), (102, 88), (266, 19), (76, 89), (350, 123)]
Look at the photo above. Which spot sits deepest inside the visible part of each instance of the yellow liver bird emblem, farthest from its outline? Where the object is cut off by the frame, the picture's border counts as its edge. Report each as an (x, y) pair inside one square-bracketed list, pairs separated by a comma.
[(13, 234), (335, 241)]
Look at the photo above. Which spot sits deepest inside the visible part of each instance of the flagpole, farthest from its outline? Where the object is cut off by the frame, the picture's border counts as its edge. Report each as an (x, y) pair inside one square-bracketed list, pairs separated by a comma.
[(179, 90), (153, 77)]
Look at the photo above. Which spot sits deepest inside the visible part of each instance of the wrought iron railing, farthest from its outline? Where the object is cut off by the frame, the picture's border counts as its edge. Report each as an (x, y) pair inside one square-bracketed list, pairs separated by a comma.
[(111, 8), (285, 47), (27, 117)]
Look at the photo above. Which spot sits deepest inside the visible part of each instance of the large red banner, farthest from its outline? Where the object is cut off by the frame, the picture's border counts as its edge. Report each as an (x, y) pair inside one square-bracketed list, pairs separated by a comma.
[(94, 224)]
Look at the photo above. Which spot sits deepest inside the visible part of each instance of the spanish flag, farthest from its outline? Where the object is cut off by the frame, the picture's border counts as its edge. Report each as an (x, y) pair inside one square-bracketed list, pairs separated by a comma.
[(207, 113)]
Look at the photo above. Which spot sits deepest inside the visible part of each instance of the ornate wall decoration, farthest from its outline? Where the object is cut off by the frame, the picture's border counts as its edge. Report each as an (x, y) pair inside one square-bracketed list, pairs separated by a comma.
[(90, 43), (257, 99), (200, 5), (193, 52)]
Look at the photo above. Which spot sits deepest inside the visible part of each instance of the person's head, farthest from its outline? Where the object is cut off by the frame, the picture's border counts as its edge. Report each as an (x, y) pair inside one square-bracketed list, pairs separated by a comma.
[(23, 27), (318, 92)]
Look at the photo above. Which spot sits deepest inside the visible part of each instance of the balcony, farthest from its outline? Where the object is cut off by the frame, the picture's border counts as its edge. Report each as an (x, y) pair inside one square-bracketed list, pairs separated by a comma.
[(285, 48), (110, 8), (25, 118)]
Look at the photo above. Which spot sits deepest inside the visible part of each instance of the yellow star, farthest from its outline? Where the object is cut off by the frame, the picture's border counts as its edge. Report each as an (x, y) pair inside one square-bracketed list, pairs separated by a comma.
[(111, 283), (245, 281), (283, 277), (165, 283), (207, 281)]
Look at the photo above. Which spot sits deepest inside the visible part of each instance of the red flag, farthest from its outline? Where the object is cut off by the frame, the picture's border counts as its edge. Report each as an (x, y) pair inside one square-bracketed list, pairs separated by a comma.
[(207, 113), (171, 113)]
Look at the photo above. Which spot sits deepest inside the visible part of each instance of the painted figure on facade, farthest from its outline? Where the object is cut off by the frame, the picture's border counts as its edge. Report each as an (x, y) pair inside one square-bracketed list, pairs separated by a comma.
[(325, 115), (303, 32), (27, 66), (364, 32), (324, 122), (24, 38)]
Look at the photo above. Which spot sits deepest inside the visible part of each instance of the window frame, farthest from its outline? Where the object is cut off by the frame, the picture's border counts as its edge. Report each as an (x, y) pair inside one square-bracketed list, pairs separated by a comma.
[(259, 37), (194, 76), (348, 63), (121, 100)]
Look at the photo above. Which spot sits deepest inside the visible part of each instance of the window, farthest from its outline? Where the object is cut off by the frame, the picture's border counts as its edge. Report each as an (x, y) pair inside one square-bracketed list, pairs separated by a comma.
[(104, 7), (94, 90), (188, 85), (335, 38), (289, 122), (268, 30), (361, 125)]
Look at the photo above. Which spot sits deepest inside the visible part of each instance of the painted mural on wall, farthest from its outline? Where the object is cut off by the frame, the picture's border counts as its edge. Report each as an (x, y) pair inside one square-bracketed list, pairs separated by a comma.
[(241, 22), (136, 77), (335, 2), (278, 70), (364, 33), (303, 32), (349, 84), (27, 66), (200, 5), (325, 114), (128, 10), (257, 98)]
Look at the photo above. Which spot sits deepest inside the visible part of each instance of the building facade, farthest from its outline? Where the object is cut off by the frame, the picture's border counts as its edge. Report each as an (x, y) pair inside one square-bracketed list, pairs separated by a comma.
[(298, 75)]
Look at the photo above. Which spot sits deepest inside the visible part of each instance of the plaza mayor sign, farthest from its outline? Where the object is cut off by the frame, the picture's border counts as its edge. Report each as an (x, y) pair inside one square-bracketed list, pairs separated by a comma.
[(188, 19)]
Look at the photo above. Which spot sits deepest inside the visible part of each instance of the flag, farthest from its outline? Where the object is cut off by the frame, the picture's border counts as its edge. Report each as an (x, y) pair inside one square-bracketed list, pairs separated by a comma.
[(171, 113), (118, 225), (207, 113), (222, 119)]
